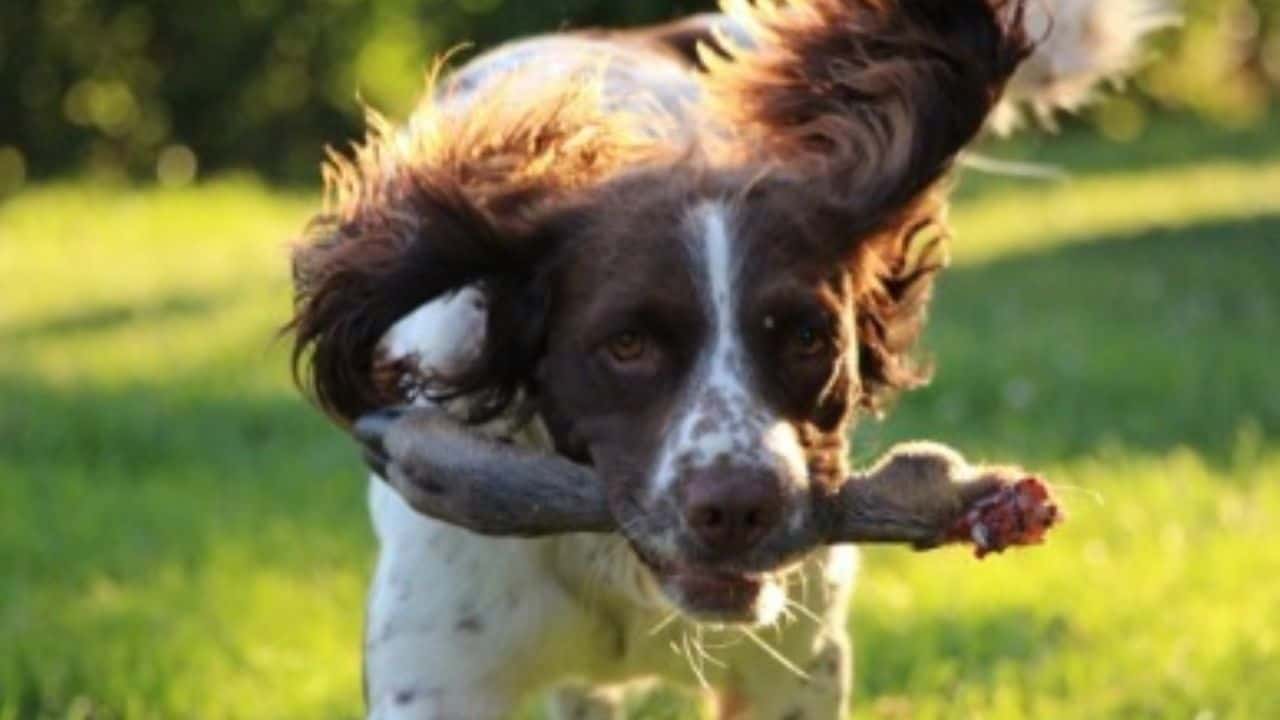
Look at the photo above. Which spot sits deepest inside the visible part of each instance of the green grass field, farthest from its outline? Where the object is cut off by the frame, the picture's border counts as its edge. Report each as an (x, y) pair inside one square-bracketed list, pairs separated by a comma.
[(182, 537)]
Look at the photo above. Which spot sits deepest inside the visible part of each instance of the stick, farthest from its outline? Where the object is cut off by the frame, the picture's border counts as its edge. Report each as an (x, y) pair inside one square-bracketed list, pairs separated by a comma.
[(443, 470), (922, 494), (925, 494)]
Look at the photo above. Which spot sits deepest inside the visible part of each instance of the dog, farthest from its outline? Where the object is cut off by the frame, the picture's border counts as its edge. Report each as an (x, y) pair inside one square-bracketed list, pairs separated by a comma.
[(690, 257)]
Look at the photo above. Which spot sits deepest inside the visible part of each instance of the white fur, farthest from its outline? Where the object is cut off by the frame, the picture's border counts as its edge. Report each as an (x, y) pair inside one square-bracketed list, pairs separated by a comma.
[(462, 626), (653, 89), (1084, 44), (721, 419), (445, 335)]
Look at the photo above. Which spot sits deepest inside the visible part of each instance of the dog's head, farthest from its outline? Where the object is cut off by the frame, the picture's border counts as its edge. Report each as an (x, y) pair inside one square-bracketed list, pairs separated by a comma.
[(699, 324), (705, 348)]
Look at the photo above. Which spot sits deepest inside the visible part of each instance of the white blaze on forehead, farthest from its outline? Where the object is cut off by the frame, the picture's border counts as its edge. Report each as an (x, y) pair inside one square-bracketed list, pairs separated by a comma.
[(720, 418)]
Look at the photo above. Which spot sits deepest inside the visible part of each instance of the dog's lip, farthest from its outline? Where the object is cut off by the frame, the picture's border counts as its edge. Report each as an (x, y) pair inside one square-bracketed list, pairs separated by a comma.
[(715, 595), (705, 582), (712, 592)]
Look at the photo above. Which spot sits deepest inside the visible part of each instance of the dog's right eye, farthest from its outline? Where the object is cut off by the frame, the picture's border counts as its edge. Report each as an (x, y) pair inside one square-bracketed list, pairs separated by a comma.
[(628, 347)]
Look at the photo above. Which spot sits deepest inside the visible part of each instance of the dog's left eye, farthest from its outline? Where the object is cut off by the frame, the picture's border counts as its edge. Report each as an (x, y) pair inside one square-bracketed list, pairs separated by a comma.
[(806, 341), (628, 346)]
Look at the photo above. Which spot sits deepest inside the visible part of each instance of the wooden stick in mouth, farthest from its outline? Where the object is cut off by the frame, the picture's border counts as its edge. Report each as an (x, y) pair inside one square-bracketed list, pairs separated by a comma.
[(923, 494)]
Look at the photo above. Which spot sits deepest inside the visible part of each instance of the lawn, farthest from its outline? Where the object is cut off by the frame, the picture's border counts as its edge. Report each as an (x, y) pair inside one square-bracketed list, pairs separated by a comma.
[(181, 536)]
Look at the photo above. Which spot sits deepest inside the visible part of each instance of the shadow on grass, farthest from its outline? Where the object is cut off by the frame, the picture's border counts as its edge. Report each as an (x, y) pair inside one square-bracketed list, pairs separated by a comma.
[(1149, 341), (119, 480), (102, 318), (168, 425), (145, 529)]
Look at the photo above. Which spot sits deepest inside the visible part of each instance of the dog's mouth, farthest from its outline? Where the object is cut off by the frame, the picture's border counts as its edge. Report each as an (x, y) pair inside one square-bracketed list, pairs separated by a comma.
[(717, 595)]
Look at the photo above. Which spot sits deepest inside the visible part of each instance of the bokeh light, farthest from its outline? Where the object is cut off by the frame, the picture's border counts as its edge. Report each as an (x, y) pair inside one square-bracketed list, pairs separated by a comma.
[(265, 85)]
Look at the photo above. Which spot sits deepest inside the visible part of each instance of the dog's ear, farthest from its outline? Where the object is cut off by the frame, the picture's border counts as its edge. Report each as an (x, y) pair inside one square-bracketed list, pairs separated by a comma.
[(453, 199), (359, 272), (869, 101), (863, 106), (894, 272)]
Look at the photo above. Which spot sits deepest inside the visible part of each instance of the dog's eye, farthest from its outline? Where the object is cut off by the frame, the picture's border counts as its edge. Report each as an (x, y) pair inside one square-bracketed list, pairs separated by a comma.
[(628, 347), (806, 342)]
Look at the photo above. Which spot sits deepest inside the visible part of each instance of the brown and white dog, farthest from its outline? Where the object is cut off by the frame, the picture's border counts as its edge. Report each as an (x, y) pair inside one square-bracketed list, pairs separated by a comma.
[(690, 269)]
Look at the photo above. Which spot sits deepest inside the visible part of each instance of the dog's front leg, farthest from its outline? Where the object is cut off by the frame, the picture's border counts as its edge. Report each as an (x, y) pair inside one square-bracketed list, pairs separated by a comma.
[(781, 695), (582, 702), (807, 672), (460, 626)]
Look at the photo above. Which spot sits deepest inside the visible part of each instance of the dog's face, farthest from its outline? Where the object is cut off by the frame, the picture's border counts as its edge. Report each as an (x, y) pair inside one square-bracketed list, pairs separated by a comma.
[(701, 353)]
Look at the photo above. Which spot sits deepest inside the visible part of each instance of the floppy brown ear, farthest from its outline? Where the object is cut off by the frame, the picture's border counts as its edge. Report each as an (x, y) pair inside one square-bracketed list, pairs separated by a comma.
[(358, 272), (864, 105), (452, 199), (895, 269), (873, 97)]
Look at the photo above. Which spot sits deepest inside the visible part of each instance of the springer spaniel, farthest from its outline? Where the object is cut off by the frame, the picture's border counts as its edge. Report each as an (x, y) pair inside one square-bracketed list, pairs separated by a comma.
[(687, 257)]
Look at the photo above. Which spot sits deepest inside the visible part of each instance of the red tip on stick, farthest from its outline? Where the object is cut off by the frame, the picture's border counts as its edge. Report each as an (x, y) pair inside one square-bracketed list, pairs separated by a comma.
[(1017, 514)]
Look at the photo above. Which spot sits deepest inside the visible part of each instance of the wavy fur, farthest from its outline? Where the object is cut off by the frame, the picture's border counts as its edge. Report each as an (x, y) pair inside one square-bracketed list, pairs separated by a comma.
[(410, 216), (868, 103), (877, 96), (863, 104), (1084, 44)]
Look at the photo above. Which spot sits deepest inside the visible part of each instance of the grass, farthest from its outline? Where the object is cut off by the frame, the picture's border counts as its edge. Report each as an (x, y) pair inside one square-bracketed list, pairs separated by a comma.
[(180, 536)]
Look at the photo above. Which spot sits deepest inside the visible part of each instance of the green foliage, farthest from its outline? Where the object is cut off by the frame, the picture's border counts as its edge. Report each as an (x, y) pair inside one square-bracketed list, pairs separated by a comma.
[(1225, 64), (261, 84), (180, 536), (167, 89)]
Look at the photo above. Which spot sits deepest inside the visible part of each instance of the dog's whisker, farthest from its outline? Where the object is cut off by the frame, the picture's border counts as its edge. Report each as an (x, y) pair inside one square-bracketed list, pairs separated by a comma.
[(1090, 493), (700, 646), (690, 645), (664, 622), (730, 640), (594, 579), (785, 614), (805, 611), (598, 574), (693, 666), (675, 648), (774, 653)]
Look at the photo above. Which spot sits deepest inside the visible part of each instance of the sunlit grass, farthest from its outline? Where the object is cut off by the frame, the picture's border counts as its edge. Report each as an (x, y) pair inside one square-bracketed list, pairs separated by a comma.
[(1150, 603), (180, 536), (1046, 214)]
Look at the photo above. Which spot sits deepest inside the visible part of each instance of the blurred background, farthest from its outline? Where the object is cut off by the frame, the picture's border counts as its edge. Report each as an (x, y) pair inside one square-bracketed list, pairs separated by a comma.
[(182, 536), (155, 89)]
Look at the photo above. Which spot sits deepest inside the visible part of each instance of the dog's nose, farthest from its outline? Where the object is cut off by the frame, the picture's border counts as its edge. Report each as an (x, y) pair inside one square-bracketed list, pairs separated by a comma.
[(730, 513)]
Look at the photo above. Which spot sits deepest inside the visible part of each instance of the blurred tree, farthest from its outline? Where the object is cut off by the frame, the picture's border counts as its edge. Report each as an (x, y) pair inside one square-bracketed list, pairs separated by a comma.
[(1226, 62), (121, 86), (169, 88)]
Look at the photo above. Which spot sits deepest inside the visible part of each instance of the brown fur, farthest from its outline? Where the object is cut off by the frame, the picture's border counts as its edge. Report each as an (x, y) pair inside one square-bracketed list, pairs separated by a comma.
[(851, 110), (406, 222), (874, 96)]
